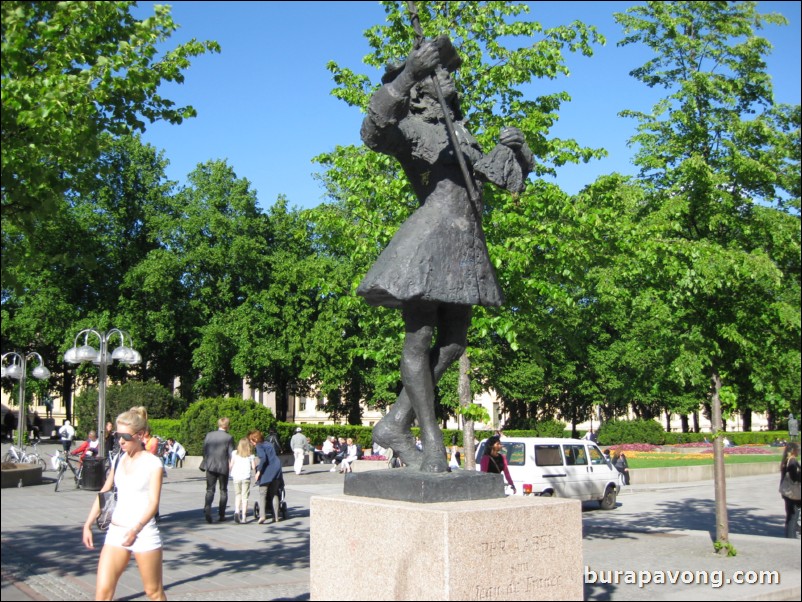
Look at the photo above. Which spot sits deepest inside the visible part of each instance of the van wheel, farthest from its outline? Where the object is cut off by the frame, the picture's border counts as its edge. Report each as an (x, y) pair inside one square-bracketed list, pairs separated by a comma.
[(548, 493), (608, 501)]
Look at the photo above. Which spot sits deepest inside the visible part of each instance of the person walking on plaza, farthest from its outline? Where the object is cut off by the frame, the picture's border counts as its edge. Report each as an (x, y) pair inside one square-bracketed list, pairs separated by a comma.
[(133, 530), (790, 477), (268, 476), (217, 448), (272, 439), (298, 445), (66, 433), (493, 461), (242, 465)]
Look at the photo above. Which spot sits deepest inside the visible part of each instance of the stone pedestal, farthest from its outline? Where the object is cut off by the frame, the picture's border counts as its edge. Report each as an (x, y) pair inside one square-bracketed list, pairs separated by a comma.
[(513, 548)]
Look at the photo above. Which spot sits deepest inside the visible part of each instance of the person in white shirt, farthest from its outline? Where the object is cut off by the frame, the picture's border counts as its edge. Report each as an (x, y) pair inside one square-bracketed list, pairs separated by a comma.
[(327, 451), (66, 433), (351, 457), (298, 445), (175, 452)]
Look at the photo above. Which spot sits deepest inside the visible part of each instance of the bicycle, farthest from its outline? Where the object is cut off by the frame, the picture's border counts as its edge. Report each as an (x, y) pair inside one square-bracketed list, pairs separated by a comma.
[(18, 455), (64, 462)]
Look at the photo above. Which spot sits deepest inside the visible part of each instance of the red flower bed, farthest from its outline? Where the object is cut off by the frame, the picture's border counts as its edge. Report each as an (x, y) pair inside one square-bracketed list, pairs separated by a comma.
[(645, 447), (374, 458), (695, 444)]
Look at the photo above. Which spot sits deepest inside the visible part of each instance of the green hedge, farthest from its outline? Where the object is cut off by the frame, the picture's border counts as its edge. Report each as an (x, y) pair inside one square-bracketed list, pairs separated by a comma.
[(166, 428), (614, 432), (202, 417), (745, 438)]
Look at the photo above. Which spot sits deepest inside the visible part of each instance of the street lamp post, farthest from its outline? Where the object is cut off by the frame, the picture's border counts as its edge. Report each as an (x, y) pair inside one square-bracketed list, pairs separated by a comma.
[(18, 371), (86, 353)]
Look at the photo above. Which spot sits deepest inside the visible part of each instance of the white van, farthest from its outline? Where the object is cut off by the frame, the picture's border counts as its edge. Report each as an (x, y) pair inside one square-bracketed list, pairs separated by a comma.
[(571, 468)]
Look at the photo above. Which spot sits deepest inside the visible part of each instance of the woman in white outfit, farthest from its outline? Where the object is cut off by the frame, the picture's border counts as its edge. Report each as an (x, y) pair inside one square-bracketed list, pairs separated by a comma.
[(350, 457), (138, 478)]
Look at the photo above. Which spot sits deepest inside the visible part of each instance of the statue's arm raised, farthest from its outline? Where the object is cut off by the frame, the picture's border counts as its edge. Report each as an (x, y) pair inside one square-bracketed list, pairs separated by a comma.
[(390, 103), (509, 163)]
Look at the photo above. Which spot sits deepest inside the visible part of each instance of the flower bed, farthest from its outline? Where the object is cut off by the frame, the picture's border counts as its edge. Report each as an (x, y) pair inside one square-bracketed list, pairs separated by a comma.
[(633, 447), (374, 458), (694, 444)]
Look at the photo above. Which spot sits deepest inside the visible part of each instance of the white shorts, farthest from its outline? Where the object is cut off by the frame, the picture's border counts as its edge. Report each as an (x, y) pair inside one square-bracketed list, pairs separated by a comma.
[(147, 540)]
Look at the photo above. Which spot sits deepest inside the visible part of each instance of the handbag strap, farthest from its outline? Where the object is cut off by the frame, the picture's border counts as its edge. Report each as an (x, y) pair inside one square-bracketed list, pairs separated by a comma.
[(116, 462)]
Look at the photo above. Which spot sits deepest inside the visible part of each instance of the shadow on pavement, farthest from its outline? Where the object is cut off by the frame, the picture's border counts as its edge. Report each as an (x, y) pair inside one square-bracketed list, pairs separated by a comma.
[(694, 515)]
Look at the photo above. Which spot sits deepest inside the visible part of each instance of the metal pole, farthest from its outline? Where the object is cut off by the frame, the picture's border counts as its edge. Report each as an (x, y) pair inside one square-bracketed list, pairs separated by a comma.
[(101, 396), (23, 425)]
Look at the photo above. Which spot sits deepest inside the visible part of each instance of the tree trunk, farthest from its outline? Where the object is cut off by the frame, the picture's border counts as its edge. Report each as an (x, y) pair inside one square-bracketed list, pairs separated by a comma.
[(282, 400), (772, 420), (696, 427), (464, 389), (719, 481), (685, 425), (353, 396), (746, 414), (668, 421)]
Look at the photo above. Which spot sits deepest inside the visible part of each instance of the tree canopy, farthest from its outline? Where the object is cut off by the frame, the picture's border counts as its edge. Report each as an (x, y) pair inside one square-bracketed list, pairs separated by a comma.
[(71, 72)]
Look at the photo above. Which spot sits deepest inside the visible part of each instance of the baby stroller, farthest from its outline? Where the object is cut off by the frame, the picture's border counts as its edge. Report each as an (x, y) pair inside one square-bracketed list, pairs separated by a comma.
[(282, 503)]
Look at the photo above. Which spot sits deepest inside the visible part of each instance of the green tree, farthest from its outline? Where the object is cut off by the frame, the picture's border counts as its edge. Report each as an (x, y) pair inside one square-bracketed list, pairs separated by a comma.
[(88, 248), (272, 326), (218, 238), (72, 71), (707, 178)]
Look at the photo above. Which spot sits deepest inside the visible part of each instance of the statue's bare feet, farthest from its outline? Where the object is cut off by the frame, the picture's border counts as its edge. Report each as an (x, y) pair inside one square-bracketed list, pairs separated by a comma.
[(436, 463), (402, 443), (434, 456)]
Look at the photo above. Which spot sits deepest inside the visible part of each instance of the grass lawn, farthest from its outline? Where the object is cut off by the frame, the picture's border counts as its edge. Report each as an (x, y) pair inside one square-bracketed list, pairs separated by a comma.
[(663, 460)]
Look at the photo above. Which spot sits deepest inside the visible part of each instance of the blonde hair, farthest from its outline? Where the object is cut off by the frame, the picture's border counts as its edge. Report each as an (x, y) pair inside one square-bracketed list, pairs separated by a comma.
[(136, 418), (224, 423), (244, 448)]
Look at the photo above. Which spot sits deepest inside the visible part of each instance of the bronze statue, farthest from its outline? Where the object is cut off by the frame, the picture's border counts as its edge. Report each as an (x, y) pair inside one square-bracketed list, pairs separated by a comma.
[(437, 266)]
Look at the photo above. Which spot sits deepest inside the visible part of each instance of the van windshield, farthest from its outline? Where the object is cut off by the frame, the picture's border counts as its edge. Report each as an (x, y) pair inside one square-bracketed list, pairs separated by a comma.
[(548, 455)]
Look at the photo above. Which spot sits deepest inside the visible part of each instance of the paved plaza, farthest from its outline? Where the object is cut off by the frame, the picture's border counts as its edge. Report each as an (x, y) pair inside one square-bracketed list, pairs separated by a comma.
[(655, 529)]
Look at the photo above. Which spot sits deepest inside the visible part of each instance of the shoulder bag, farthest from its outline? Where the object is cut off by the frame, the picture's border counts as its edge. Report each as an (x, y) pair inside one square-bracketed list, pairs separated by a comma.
[(790, 489), (107, 501)]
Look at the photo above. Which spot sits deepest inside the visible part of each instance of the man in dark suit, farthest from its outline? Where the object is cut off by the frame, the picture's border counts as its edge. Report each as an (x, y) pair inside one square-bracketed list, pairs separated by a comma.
[(217, 448)]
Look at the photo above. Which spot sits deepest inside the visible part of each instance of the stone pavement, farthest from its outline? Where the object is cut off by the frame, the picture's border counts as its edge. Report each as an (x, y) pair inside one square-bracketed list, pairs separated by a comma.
[(655, 528)]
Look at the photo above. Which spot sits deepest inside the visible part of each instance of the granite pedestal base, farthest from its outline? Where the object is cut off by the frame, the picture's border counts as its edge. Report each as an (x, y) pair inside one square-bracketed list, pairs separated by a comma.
[(514, 548)]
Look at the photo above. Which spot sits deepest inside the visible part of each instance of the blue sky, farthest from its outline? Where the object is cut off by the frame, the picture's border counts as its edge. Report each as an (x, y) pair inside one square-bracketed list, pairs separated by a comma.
[(264, 102)]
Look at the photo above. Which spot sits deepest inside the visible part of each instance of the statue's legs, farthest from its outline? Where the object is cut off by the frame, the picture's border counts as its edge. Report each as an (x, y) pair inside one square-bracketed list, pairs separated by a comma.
[(452, 322)]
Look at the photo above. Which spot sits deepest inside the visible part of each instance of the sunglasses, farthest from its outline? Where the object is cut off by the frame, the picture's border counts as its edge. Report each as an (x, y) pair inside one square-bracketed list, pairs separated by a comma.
[(124, 436)]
